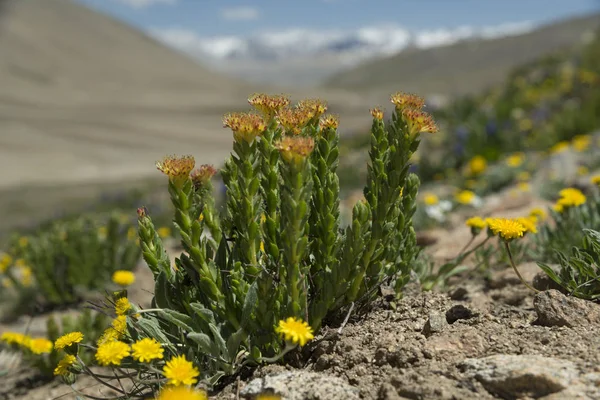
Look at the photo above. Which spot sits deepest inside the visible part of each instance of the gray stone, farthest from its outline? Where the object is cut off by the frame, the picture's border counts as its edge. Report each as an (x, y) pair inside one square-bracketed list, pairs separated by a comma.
[(555, 309), (517, 376), (436, 323), (541, 281), (301, 385)]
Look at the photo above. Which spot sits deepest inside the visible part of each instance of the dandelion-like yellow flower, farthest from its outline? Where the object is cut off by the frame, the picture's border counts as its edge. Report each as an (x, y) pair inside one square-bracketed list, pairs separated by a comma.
[(112, 353), (14, 338), (407, 100), (377, 113), (330, 122), (295, 331), (295, 149), (418, 121), (146, 350), (26, 276), (67, 340), (559, 147), (245, 126), (109, 335), (181, 393), (538, 213), (465, 197), (528, 223), (119, 324), (515, 160), (40, 345), (524, 186), (122, 305), (180, 371), (507, 229), (571, 197), (477, 165), (430, 199), (595, 180), (5, 262), (582, 170), (23, 241), (123, 278), (268, 105), (164, 232), (581, 142), (313, 108), (176, 168), (63, 365), (476, 222)]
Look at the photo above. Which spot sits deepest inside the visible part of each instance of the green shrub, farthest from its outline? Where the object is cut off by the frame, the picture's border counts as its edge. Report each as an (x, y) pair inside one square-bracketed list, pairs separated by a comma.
[(275, 261), (58, 265), (579, 273), (566, 227)]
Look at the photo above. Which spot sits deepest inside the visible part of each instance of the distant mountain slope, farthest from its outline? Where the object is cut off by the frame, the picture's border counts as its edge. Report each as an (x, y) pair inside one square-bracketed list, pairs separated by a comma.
[(464, 67)]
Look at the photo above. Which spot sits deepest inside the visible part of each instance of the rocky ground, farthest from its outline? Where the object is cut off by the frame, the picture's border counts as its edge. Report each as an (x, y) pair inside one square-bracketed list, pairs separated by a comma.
[(479, 338)]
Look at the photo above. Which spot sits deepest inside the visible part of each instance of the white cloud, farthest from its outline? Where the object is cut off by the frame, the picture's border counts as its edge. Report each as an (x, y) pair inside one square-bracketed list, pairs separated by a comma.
[(145, 3), (240, 13)]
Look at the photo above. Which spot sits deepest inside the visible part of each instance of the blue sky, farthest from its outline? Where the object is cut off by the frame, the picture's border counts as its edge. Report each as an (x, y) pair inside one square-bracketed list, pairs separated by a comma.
[(241, 18)]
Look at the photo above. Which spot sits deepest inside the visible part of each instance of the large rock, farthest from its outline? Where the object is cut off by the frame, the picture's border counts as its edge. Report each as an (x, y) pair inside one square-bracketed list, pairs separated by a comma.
[(530, 376), (555, 309), (301, 385)]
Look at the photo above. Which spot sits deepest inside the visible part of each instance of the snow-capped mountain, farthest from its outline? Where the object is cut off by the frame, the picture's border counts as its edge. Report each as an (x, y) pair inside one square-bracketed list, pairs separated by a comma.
[(367, 41), (304, 55)]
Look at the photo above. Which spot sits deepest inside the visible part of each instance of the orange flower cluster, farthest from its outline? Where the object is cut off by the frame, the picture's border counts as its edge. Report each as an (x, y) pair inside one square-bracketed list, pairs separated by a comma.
[(245, 126), (295, 149)]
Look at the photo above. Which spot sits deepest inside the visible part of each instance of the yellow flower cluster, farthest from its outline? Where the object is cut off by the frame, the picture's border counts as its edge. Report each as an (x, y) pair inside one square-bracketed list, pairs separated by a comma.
[(37, 345), (245, 126), (581, 142), (122, 306), (410, 107), (201, 176), (569, 197), (295, 149), (5, 262), (269, 105), (515, 160), (176, 168)]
